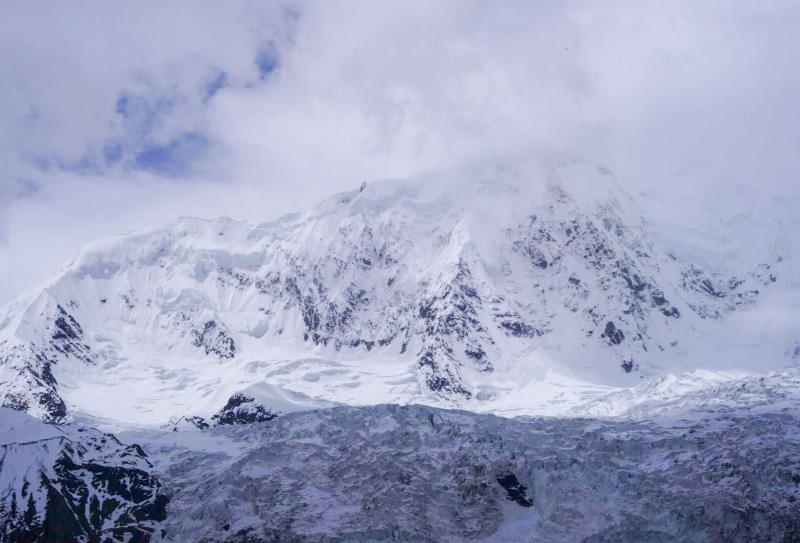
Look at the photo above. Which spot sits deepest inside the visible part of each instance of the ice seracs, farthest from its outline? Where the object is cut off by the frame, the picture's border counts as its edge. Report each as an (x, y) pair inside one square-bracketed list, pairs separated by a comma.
[(406, 473)]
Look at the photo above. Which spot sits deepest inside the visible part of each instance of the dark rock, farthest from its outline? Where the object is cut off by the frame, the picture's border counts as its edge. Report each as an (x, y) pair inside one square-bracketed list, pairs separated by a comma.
[(242, 409), (214, 340), (82, 498), (671, 312), (515, 490), (198, 422), (520, 329), (613, 334)]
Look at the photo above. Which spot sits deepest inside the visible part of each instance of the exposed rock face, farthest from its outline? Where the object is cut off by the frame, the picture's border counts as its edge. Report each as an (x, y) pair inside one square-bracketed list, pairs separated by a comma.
[(517, 492), (27, 366), (74, 484), (214, 341), (242, 409), (723, 295), (460, 279), (613, 335)]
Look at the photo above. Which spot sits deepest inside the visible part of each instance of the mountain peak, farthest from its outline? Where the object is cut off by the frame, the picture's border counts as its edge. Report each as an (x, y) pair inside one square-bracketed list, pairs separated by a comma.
[(458, 287)]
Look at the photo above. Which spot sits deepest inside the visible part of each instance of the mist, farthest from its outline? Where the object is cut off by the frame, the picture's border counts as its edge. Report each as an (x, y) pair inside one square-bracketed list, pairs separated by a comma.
[(115, 118)]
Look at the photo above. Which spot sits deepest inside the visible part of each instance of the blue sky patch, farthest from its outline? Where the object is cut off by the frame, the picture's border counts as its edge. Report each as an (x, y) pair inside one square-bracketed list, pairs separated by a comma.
[(142, 115), (215, 85), (174, 159), (122, 105), (112, 153), (41, 162), (86, 165), (20, 188), (267, 62)]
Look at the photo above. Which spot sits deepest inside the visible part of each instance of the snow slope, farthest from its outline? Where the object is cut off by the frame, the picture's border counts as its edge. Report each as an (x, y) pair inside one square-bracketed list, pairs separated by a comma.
[(516, 287)]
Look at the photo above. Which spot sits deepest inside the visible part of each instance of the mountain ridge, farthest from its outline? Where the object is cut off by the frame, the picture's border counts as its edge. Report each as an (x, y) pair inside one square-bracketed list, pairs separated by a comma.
[(446, 288)]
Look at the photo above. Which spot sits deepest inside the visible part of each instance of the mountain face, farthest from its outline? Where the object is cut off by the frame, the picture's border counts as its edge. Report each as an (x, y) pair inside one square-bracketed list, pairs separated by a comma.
[(73, 484), (406, 473), (249, 367), (454, 288)]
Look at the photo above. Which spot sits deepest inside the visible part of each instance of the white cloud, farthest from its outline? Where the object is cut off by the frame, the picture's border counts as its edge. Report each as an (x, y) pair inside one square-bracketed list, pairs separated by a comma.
[(663, 92)]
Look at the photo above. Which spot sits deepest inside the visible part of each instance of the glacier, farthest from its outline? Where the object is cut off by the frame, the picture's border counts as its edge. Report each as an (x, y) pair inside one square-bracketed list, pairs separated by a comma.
[(408, 473)]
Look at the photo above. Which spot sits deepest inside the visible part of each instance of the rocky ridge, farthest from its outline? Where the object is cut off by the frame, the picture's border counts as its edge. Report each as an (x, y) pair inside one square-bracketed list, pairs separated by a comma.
[(466, 281)]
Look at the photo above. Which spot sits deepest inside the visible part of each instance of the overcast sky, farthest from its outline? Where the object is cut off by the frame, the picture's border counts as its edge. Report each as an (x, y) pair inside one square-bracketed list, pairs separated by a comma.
[(117, 116)]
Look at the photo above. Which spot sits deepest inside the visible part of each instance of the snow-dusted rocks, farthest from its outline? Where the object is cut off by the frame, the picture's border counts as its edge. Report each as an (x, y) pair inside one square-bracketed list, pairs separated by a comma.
[(71, 483), (455, 288), (257, 403), (27, 359)]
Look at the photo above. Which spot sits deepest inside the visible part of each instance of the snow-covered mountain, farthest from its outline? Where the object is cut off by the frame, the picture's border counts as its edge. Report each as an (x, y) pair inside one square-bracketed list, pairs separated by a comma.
[(250, 364), (519, 287), (67, 483)]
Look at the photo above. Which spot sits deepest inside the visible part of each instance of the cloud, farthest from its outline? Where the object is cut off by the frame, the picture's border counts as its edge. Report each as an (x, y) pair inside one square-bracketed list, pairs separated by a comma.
[(127, 115)]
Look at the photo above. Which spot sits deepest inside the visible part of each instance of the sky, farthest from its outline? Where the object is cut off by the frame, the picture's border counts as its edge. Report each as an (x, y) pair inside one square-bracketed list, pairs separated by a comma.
[(120, 116)]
